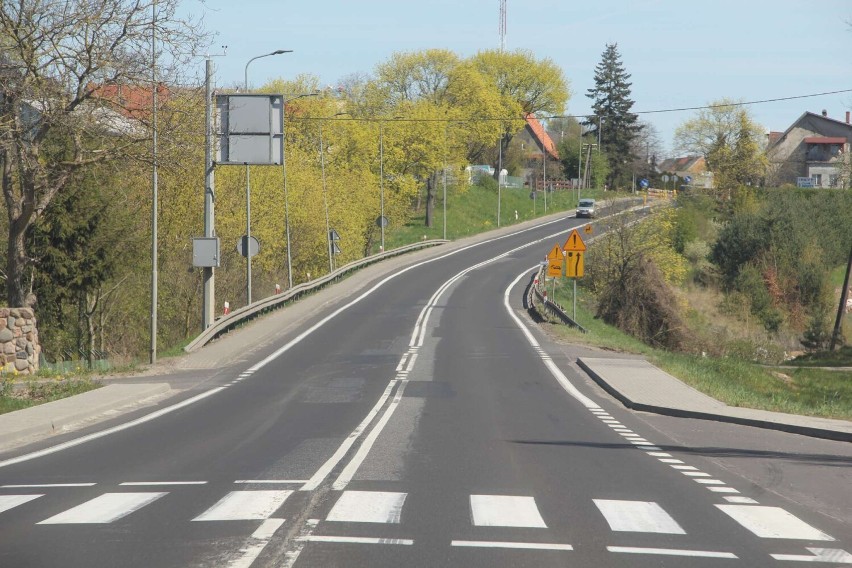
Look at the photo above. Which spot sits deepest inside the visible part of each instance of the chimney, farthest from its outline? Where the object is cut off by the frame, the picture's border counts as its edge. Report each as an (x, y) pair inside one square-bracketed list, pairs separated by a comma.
[(825, 113), (847, 117)]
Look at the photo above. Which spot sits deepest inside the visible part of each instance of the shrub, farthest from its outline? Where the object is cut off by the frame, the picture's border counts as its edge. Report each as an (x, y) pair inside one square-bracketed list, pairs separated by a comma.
[(642, 304)]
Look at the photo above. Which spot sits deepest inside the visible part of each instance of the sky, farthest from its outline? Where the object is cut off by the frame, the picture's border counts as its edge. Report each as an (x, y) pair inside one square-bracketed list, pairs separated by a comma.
[(680, 54)]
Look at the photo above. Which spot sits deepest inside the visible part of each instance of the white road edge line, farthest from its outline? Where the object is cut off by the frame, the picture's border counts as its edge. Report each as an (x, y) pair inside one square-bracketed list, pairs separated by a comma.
[(554, 370), (46, 485)]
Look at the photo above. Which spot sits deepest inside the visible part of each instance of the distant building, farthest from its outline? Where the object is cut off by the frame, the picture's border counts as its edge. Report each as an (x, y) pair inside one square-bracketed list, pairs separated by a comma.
[(694, 167), (813, 152), (537, 145)]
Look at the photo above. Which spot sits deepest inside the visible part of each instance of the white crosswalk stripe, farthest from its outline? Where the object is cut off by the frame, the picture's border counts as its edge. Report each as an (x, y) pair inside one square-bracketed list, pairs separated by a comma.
[(106, 508), (637, 516), (505, 511), (368, 507), (245, 506), (11, 501), (772, 522)]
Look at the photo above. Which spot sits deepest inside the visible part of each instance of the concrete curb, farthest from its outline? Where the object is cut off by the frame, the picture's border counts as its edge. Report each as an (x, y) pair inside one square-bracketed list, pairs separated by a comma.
[(52, 417), (812, 431)]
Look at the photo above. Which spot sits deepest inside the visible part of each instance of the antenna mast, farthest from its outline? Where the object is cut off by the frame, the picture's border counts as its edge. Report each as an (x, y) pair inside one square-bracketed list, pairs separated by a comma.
[(502, 25)]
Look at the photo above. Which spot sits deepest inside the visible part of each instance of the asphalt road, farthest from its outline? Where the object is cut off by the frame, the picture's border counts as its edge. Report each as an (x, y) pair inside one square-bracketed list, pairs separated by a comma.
[(418, 425)]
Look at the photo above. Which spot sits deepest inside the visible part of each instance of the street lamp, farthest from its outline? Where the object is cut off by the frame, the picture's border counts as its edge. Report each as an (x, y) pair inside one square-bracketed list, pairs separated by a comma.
[(247, 243)]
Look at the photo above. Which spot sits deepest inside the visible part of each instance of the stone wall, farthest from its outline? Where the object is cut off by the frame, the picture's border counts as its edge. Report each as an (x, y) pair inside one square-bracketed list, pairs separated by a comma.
[(19, 347)]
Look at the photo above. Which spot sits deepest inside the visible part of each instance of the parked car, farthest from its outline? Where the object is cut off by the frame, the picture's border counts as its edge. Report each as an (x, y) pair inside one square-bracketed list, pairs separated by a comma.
[(586, 208)]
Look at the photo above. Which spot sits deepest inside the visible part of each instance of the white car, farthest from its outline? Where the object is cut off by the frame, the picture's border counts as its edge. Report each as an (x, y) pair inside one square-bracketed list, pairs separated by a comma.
[(586, 208)]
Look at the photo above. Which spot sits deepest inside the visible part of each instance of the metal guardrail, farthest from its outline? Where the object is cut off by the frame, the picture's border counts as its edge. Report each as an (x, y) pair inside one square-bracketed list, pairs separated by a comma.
[(246, 313), (549, 306)]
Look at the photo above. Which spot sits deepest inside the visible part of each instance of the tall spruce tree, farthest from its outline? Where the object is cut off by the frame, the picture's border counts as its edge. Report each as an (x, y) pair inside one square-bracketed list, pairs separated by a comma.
[(612, 104)]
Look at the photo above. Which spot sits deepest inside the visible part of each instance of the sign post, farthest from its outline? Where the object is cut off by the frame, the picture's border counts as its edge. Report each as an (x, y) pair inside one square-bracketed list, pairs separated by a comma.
[(575, 250)]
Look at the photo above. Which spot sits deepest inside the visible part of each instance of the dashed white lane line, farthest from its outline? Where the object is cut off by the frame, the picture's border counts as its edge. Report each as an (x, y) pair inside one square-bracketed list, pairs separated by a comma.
[(739, 499), (368, 507), (245, 506), (833, 555), (106, 508), (670, 552), (505, 511), (710, 481), (772, 522), (355, 540), (11, 501), (46, 485), (695, 474), (659, 454), (723, 490), (517, 545), (671, 460), (684, 467), (637, 516)]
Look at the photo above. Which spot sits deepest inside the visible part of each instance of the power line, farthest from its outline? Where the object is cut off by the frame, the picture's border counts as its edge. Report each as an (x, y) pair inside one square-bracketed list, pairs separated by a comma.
[(505, 119)]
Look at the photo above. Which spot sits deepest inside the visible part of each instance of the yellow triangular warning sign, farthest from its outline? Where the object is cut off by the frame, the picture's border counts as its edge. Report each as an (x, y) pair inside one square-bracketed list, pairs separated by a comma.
[(574, 243)]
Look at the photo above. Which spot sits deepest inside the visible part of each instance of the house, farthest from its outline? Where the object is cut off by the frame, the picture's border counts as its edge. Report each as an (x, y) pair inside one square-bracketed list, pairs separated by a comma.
[(813, 152), (693, 167), (537, 145)]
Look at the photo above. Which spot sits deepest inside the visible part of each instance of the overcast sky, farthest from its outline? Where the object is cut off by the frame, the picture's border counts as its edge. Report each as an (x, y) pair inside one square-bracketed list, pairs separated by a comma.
[(681, 54)]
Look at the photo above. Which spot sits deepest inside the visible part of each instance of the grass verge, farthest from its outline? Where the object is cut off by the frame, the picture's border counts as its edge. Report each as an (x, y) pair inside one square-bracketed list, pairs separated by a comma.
[(811, 392)]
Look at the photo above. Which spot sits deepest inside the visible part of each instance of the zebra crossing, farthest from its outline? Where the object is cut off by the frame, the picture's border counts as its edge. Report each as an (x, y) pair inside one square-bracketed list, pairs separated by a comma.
[(384, 507)]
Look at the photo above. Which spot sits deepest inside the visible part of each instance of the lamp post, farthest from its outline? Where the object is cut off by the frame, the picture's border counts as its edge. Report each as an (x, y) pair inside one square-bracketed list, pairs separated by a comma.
[(247, 243)]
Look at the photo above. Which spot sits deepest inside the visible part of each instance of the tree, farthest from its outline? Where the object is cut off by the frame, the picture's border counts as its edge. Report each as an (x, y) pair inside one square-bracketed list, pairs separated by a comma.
[(729, 139), (613, 122), (53, 120), (526, 86)]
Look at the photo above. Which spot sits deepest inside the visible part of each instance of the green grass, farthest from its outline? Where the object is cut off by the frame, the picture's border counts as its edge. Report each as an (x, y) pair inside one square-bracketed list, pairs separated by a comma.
[(804, 391), (474, 210), (39, 392)]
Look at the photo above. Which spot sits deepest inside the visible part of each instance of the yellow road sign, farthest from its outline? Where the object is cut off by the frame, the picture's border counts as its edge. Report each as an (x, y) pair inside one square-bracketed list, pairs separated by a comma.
[(574, 243), (574, 264), (588, 229), (554, 268), (555, 260), (555, 253)]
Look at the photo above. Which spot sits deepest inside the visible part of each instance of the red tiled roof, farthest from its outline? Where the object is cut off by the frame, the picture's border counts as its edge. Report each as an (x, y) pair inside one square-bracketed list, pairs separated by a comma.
[(825, 140), (542, 136)]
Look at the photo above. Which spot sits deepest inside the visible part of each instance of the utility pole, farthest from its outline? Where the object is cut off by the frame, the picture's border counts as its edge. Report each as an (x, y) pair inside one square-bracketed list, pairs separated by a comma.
[(499, 175), (154, 189), (209, 289)]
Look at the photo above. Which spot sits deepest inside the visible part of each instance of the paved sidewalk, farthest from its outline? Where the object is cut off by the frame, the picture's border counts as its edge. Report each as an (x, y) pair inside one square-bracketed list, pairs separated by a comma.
[(642, 386), (38, 422)]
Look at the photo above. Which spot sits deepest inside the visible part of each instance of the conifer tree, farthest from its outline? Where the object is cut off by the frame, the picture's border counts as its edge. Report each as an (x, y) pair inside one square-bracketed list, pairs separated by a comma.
[(612, 104)]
